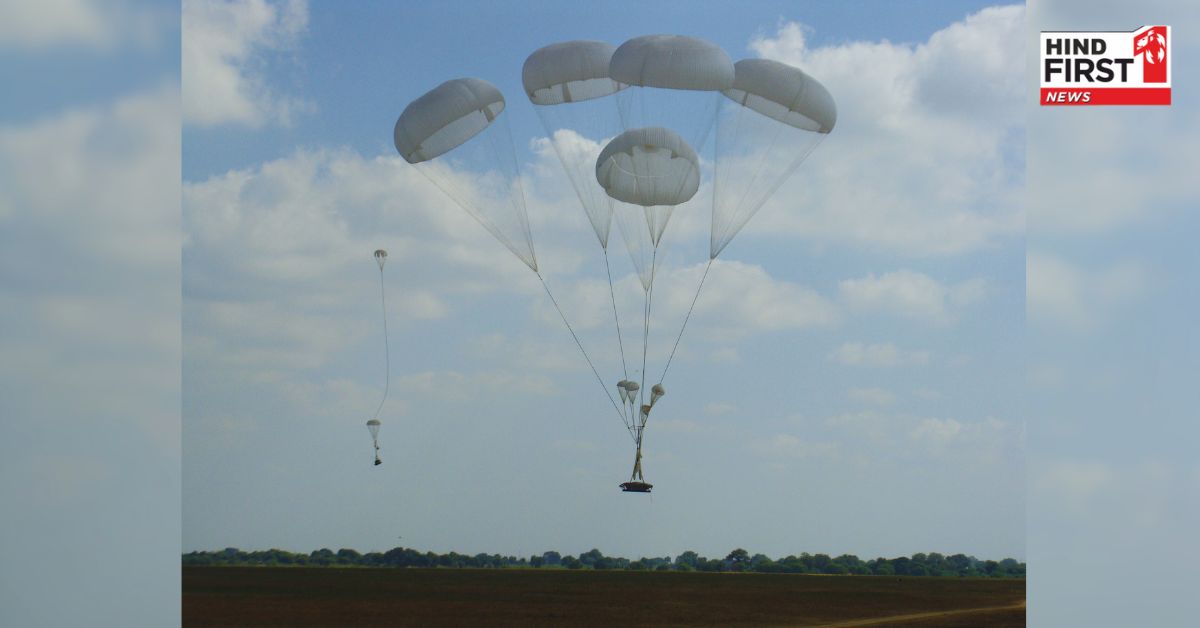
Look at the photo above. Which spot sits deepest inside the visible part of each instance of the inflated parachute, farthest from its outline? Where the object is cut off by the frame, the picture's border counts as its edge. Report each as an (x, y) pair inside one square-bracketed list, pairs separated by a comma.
[(465, 116), (373, 427), (572, 93), (457, 136), (649, 172), (771, 119), (674, 81)]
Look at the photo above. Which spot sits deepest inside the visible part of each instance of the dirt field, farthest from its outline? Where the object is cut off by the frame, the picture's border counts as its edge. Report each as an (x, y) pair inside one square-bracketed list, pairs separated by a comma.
[(255, 596)]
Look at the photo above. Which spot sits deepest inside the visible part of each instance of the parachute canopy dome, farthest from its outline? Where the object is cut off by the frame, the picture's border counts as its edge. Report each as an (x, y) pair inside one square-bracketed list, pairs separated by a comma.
[(672, 62), (784, 93), (648, 167), (446, 117), (570, 71)]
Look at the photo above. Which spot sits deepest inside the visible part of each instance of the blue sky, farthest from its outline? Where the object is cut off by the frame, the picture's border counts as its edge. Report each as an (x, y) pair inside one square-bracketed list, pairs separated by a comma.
[(360, 64), (856, 351)]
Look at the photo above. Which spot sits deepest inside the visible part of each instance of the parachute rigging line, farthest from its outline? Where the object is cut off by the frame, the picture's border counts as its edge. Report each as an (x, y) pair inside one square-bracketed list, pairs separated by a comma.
[(686, 318), (387, 356), (616, 320), (646, 326), (580, 345)]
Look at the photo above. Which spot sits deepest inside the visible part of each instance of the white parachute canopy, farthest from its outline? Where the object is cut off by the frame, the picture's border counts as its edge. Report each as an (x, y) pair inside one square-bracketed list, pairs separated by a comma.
[(373, 427), (465, 116), (649, 171), (571, 91), (381, 258), (773, 116), (675, 81)]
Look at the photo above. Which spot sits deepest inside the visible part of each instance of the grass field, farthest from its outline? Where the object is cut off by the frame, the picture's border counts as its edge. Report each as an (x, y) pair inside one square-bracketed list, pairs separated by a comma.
[(260, 596)]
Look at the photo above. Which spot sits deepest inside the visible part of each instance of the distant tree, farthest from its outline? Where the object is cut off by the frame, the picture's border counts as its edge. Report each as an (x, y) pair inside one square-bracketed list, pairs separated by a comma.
[(687, 559), (552, 558), (536, 561), (570, 562), (737, 558), (590, 557)]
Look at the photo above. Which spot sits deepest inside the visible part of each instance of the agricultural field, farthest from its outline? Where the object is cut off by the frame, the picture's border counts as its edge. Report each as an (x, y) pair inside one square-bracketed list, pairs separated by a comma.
[(317, 596)]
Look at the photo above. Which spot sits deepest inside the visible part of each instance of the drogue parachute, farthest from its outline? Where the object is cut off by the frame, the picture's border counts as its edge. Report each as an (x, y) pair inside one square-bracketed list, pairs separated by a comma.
[(373, 428)]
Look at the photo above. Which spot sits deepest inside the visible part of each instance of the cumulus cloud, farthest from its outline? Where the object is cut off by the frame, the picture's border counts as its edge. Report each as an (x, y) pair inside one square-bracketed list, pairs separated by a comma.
[(224, 43), (1063, 295), (89, 379), (878, 433), (38, 26), (911, 295), (877, 355), (87, 211), (927, 156)]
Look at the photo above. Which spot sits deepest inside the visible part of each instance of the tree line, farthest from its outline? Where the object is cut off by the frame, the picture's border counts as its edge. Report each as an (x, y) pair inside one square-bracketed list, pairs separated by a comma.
[(920, 564)]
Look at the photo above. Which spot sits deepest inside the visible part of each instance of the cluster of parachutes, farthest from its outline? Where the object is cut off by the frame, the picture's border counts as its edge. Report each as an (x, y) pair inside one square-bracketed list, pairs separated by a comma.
[(628, 124)]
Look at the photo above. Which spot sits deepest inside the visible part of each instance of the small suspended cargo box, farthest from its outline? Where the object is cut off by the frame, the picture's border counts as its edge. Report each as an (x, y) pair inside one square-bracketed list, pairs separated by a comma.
[(636, 487)]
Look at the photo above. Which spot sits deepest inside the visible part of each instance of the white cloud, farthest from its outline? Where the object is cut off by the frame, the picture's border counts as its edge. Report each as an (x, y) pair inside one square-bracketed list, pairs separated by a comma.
[(789, 446), (988, 438), (223, 45), (883, 434), (872, 396), (1062, 295), (738, 300), (91, 24), (87, 219), (877, 355), (90, 361), (927, 155), (1074, 483), (911, 295)]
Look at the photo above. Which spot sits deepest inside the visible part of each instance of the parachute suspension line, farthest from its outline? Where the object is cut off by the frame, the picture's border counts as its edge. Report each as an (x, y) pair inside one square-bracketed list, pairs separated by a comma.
[(580, 345), (387, 354), (759, 170), (646, 329), (616, 319), (686, 318)]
